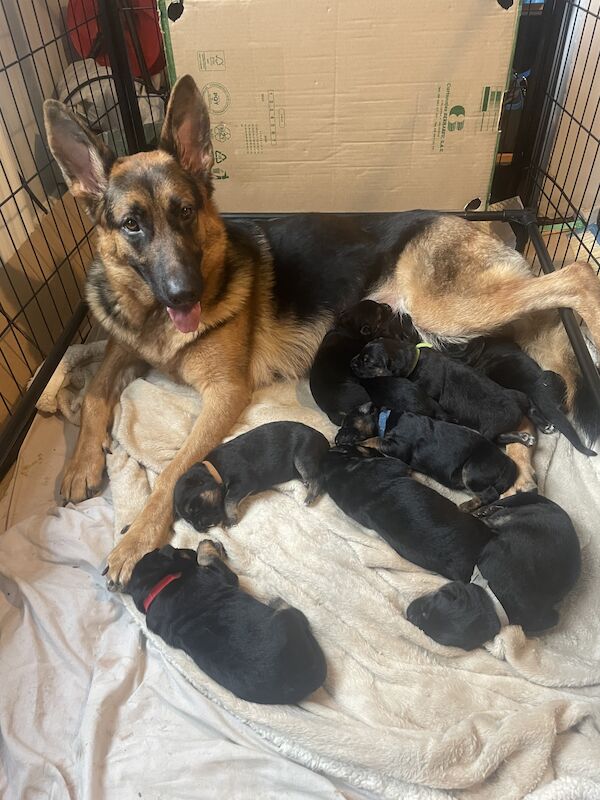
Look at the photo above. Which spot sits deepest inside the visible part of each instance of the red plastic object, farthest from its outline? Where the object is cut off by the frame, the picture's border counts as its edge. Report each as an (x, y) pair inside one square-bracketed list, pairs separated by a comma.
[(83, 28)]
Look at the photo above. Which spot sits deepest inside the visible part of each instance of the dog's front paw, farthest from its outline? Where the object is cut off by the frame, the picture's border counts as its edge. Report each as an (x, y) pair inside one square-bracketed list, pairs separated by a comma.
[(83, 476), (145, 534)]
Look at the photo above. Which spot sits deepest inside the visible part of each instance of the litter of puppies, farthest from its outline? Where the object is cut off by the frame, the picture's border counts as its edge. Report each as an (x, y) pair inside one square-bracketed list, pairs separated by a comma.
[(510, 555)]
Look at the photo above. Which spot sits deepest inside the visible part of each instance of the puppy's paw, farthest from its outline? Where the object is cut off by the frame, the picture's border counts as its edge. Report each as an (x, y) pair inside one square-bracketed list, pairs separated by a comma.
[(526, 482), (528, 439), (486, 511), (278, 604), (470, 506), (209, 549), (231, 517), (313, 493)]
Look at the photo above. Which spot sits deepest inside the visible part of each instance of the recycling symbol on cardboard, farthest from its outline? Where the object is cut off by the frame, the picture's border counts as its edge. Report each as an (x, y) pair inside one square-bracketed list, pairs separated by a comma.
[(219, 156)]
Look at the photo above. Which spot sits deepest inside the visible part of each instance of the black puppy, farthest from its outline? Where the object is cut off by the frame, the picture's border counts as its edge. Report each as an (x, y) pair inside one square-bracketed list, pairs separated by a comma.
[(472, 399), (457, 457), (503, 361), (334, 386), (263, 654), (420, 524), (525, 569), (210, 491)]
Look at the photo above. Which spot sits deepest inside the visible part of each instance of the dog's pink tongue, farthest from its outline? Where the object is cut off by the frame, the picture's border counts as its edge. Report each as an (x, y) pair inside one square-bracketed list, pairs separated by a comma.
[(185, 319)]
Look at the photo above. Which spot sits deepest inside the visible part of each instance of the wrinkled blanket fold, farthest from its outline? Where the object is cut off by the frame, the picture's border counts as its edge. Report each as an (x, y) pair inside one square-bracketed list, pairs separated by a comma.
[(399, 714)]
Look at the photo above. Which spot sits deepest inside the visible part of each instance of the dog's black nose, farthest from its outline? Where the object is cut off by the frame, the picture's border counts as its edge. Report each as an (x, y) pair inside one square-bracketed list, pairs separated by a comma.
[(181, 294)]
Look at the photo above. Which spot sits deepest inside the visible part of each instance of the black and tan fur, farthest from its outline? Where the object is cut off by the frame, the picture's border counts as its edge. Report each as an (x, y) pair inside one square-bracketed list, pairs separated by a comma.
[(268, 293)]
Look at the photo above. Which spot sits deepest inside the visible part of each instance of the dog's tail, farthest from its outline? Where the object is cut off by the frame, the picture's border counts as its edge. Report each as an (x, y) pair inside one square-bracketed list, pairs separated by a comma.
[(543, 337), (547, 396), (586, 411)]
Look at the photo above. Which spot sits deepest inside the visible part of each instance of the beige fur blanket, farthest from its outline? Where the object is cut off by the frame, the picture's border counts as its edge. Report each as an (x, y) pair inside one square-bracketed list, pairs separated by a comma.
[(399, 715)]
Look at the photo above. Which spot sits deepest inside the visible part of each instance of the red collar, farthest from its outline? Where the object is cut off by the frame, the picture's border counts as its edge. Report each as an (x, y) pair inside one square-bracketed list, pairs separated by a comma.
[(157, 589)]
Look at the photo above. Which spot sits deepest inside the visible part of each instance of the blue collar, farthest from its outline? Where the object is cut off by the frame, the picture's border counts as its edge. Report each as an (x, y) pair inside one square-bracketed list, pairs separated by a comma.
[(382, 422)]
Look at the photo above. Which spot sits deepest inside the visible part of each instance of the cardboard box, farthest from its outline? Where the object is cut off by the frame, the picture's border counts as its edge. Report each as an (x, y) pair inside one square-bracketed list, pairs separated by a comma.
[(344, 105)]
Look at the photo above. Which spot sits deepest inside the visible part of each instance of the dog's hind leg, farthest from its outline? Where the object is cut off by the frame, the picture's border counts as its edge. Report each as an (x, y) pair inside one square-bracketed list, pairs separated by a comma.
[(495, 300), (83, 475)]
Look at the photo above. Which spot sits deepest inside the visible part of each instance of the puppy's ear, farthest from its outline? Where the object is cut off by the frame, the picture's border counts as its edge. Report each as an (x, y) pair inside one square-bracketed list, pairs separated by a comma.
[(83, 158), (186, 129)]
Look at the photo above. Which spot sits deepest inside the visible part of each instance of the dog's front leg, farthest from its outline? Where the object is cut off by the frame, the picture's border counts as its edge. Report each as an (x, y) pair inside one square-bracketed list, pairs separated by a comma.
[(83, 475), (222, 404)]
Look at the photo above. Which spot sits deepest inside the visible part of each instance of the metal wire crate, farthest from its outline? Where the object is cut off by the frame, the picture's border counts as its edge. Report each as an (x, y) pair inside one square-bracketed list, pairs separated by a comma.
[(46, 240)]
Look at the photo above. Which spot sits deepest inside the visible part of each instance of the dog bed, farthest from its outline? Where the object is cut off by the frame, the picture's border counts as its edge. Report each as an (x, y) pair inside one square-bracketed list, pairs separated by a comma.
[(399, 715)]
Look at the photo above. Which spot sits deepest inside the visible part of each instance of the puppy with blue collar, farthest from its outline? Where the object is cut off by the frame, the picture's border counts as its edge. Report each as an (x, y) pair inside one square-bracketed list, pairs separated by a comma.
[(455, 456)]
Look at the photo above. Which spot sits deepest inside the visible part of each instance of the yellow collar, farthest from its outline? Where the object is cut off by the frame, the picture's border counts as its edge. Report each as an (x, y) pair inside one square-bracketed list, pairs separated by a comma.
[(418, 349)]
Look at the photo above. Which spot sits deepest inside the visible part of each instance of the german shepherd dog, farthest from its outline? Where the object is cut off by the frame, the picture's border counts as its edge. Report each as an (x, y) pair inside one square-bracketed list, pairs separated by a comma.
[(227, 307)]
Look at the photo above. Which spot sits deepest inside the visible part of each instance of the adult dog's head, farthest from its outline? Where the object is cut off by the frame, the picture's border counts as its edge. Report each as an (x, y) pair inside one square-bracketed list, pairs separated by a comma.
[(458, 614), (159, 235)]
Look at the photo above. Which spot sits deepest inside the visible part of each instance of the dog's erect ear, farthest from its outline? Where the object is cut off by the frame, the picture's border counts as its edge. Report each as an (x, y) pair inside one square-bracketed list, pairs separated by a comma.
[(83, 158), (186, 129)]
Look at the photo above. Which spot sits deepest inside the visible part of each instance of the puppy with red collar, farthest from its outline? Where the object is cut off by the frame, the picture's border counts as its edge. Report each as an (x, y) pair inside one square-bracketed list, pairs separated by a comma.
[(261, 653)]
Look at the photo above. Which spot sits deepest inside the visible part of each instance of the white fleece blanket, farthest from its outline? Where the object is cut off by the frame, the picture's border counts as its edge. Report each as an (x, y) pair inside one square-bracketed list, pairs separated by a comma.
[(399, 715)]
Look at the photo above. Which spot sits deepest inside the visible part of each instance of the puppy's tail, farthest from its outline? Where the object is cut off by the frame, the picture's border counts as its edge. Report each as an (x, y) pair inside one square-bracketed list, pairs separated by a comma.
[(548, 397)]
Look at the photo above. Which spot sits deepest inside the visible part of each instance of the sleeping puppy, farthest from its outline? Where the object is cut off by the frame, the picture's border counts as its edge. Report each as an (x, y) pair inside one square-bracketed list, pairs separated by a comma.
[(401, 394), (263, 654), (453, 455), (530, 563), (420, 524), (209, 492), (335, 388), (523, 546), (505, 363), (471, 398)]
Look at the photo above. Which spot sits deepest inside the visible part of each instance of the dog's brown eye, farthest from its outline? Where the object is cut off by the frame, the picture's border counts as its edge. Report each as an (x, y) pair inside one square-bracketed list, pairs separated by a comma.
[(186, 212), (131, 225)]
